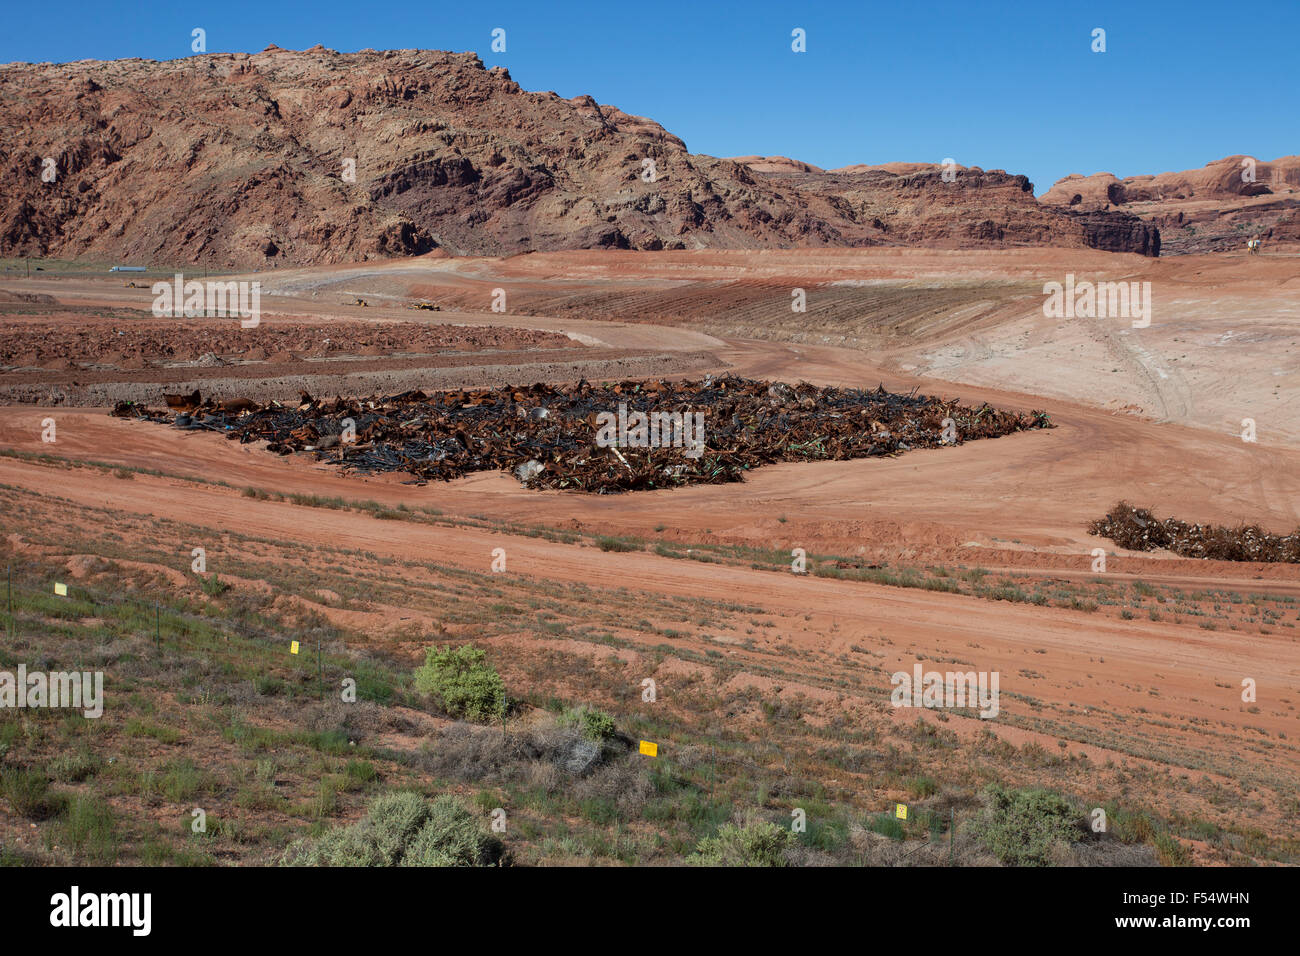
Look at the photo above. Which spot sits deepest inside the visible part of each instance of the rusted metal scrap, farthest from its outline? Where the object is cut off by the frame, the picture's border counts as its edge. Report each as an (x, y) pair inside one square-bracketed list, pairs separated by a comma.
[(1139, 530), (547, 435)]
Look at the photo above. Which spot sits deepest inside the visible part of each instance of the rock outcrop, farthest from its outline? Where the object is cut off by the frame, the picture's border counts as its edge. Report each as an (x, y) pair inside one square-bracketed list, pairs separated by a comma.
[(248, 161), (1213, 209)]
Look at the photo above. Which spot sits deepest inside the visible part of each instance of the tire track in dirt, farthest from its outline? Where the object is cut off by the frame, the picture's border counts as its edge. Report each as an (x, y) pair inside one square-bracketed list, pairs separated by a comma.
[(1102, 665)]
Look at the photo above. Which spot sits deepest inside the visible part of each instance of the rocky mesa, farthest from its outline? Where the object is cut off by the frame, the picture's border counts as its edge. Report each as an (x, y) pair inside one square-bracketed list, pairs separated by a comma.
[(249, 161), (1213, 209)]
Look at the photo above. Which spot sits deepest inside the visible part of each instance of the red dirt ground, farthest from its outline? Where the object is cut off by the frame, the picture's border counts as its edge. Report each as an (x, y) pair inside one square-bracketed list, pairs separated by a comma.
[(1021, 502)]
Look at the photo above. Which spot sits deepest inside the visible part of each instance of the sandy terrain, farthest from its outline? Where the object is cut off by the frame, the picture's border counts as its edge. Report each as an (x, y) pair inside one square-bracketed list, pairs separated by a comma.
[(1151, 415), (1222, 345)]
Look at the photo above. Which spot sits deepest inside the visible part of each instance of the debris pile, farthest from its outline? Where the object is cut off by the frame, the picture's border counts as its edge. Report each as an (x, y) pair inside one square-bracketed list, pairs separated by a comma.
[(547, 435), (111, 341), (1139, 530)]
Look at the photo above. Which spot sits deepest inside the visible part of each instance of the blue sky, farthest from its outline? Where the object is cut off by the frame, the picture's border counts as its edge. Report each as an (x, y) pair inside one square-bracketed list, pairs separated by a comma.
[(1013, 86)]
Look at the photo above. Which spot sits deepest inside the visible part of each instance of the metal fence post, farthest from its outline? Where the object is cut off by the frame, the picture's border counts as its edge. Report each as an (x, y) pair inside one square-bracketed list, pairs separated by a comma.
[(952, 833)]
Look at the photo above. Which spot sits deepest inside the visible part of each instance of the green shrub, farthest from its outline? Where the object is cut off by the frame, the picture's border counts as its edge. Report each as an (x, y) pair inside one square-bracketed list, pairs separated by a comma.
[(11, 857), (393, 821), (599, 810), (403, 829), (1138, 827), (326, 802), (922, 787), (135, 727), (463, 683), (345, 846), (826, 835), (181, 780), (596, 725), (359, 773), (755, 844), (886, 825), (28, 791), (1131, 826), (74, 767), (1171, 852), (1024, 827), (213, 586), (606, 543), (88, 829), (268, 685), (451, 836)]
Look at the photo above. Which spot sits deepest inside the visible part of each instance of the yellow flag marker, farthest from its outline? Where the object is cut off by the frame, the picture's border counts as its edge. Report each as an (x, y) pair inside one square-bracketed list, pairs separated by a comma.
[(649, 749), (293, 647), (60, 589), (900, 811)]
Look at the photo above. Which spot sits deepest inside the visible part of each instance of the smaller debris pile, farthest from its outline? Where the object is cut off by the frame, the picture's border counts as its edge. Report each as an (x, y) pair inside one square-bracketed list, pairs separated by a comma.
[(1139, 530), (713, 430)]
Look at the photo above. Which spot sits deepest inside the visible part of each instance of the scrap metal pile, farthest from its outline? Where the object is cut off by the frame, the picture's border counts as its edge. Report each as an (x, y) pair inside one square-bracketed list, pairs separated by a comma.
[(1139, 530), (547, 435)]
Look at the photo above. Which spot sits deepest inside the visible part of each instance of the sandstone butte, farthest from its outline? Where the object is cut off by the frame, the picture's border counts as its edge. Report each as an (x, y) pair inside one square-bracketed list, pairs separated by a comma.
[(284, 157), (1212, 209)]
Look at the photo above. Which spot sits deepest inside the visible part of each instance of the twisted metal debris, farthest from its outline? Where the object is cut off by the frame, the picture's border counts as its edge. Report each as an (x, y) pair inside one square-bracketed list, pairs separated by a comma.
[(1139, 530), (546, 435)]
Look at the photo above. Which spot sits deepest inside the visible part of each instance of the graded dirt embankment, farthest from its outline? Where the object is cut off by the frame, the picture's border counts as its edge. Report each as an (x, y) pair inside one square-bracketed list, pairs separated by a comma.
[(1162, 688), (1137, 693), (1222, 345)]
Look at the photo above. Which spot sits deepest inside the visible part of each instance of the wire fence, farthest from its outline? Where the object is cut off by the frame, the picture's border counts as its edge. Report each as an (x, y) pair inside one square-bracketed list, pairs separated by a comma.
[(170, 625), (902, 834), (914, 835)]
